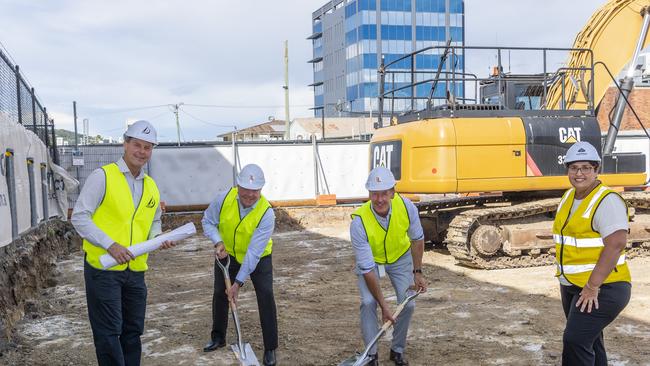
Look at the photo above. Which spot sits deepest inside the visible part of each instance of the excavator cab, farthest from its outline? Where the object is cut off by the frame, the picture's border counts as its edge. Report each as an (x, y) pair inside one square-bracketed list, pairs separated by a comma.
[(520, 92)]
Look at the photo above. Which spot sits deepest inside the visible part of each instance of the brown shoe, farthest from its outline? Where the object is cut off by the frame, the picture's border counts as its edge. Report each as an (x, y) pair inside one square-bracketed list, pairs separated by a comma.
[(398, 358)]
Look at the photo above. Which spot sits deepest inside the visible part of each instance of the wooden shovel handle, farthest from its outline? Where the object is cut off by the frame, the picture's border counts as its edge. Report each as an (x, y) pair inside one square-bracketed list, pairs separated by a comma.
[(398, 310)]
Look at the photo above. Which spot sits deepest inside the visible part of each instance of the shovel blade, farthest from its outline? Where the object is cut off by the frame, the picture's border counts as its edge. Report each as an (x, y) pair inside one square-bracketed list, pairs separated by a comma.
[(356, 360), (247, 357)]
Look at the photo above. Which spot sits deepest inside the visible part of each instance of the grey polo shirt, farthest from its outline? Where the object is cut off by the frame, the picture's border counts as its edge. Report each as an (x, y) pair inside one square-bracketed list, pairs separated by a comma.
[(260, 238), (365, 261), (91, 197)]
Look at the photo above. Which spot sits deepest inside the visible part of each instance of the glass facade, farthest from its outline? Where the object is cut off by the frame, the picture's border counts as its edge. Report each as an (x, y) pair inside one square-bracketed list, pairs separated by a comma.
[(382, 28)]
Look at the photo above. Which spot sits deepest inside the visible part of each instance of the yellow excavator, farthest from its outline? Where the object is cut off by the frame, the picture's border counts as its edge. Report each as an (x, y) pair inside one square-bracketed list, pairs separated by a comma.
[(497, 144)]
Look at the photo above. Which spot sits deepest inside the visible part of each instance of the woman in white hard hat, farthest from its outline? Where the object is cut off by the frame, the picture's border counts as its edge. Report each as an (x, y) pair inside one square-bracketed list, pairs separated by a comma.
[(590, 233)]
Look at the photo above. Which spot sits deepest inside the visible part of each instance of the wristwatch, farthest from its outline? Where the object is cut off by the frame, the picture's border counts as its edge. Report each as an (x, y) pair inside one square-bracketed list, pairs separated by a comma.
[(240, 283), (417, 270)]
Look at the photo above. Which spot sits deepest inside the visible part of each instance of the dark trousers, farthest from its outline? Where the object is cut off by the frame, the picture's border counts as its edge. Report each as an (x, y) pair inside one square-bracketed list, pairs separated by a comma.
[(583, 335), (262, 278), (117, 302)]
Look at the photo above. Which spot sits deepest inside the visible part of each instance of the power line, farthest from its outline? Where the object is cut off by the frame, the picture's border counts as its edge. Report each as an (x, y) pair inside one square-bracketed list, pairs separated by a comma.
[(131, 109), (243, 106), (206, 122)]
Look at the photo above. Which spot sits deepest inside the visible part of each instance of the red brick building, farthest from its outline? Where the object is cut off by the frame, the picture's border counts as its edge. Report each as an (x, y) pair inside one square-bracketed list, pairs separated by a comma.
[(640, 100)]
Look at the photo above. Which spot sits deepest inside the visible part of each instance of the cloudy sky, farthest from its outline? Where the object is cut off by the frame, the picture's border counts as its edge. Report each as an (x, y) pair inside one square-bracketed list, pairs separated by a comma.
[(125, 60)]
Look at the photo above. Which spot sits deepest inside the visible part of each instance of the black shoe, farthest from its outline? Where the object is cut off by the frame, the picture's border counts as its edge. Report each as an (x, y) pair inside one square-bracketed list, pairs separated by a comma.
[(374, 360), (398, 358), (214, 345), (269, 358)]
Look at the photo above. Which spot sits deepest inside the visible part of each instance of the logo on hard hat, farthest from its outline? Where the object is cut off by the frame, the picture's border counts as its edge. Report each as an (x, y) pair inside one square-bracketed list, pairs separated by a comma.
[(251, 178), (581, 150), (378, 180), (146, 130)]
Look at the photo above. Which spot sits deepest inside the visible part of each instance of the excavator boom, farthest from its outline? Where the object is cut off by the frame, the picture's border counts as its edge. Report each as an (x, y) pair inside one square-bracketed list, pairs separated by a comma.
[(611, 34)]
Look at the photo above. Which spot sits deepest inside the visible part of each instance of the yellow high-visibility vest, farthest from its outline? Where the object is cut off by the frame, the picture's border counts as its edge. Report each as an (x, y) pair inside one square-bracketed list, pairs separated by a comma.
[(577, 245), (120, 220), (237, 232), (387, 245)]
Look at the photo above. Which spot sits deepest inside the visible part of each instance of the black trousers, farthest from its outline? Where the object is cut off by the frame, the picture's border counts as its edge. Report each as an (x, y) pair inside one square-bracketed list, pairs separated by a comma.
[(583, 335), (262, 278), (117, 302)]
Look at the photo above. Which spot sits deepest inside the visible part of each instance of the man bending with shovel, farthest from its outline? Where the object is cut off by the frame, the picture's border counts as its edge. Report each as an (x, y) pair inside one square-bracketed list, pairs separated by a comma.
[(240, 222), (387, 239)]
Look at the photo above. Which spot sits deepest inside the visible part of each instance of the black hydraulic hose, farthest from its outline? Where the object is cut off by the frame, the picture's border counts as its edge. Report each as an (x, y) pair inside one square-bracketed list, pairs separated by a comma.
[(627, 101)]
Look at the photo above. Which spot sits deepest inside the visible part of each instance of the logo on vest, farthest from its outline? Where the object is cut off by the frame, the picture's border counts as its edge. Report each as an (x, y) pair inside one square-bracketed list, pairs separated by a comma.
[(151, 203)]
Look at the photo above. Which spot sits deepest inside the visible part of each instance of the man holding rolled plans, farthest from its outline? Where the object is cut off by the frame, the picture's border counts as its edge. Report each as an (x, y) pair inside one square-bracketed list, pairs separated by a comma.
[(119, 207)]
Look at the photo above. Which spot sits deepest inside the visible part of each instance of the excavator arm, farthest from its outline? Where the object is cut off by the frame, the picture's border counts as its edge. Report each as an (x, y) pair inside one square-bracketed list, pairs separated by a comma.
[(611, 33)]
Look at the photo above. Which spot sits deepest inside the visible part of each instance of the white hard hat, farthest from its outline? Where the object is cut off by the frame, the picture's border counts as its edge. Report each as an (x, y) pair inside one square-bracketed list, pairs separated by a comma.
[(581, 151), (380, 179), (142, 130), (251, 177)]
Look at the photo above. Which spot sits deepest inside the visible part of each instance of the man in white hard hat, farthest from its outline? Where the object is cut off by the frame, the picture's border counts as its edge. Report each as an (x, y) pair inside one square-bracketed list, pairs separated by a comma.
[(240, 222), (590, 232), (387, 238), (119, 207)]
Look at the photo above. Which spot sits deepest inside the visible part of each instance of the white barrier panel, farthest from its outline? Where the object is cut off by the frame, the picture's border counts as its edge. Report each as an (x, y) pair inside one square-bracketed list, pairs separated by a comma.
[(346, 169), (191, 175), (5, 210), (25, 144), (194, 175), (38, 152), (288, 169)]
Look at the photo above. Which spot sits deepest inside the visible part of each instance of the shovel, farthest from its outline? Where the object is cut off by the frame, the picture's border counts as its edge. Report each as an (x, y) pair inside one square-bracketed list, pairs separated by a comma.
[(243, 351), (363, 358)]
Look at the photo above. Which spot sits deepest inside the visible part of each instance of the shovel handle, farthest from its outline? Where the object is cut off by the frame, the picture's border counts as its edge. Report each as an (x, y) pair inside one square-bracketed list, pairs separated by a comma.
[(226, 277), (398, 310)]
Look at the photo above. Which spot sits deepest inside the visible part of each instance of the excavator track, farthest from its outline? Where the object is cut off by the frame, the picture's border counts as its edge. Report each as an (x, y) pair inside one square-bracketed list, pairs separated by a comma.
[(463, 225)]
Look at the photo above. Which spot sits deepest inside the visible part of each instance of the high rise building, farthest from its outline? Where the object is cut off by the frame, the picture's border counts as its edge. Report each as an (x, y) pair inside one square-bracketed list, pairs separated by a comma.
[(351, 36)]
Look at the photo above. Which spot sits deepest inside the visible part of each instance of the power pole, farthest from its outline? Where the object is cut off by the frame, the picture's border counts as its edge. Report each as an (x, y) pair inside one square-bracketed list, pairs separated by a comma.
[(178, 125), (74, 111), (287, 121)]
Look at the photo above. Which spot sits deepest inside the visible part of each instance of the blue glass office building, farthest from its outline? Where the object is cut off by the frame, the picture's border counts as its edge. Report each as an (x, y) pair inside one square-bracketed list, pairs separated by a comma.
[(350, 36)]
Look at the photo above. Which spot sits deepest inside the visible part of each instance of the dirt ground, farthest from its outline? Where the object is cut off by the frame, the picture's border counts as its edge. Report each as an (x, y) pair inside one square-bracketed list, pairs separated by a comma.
[(468, 317)]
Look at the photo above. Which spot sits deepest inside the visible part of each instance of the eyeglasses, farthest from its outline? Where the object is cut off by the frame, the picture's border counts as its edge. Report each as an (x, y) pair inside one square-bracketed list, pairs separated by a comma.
[(587, 169)]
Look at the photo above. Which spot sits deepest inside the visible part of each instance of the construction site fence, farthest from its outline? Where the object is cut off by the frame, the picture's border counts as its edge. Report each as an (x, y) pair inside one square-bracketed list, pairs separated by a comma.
[(28, 188), (192, 175), (20, 105)]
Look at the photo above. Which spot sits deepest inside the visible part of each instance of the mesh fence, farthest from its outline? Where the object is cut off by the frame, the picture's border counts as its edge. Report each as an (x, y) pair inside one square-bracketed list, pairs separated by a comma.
[(19, 104), (94, 156)]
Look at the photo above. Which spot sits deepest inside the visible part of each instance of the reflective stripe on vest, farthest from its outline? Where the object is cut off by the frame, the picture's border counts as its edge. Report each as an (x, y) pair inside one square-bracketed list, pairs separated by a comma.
[(237, 232), (577, 245), (118, 218), (387, 245)]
